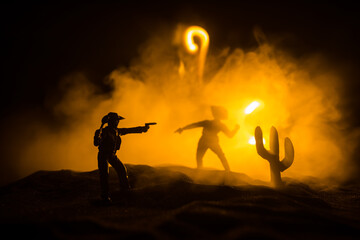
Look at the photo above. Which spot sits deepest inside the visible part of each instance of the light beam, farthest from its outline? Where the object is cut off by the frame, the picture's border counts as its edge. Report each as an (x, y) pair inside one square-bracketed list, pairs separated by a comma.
[(252, 106), (248, 110)]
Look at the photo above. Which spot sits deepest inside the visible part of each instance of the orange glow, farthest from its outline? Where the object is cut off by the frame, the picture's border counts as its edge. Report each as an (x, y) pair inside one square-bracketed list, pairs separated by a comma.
[(300, 95), (192, 47), (181, 69)]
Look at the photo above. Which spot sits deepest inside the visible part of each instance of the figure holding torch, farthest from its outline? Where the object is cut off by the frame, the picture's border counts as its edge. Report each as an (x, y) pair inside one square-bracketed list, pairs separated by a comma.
[(108, 140)]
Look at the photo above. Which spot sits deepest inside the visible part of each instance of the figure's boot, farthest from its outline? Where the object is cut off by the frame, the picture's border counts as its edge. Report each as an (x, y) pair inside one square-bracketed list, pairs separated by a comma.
[(105, 195), (124, 182), (106, 198)]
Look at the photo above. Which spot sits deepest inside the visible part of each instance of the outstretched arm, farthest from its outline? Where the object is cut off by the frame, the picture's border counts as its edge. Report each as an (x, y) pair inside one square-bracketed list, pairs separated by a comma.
[(190, 126), (123, 131), (229, 133)]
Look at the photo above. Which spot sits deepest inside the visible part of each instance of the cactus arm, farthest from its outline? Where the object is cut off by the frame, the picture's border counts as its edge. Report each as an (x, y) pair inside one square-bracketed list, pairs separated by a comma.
[(260, 145), (289, 155), (274, 141)]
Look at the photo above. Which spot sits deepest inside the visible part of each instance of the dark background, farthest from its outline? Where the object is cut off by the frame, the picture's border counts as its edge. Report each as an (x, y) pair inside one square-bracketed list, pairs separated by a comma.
[(41, 43)]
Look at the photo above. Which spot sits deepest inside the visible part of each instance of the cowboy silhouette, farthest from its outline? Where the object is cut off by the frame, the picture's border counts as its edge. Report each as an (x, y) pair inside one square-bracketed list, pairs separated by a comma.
[(108, 141)]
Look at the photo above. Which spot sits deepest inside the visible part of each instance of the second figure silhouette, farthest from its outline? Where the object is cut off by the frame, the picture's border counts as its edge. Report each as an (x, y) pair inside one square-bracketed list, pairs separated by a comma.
[(209, 138)]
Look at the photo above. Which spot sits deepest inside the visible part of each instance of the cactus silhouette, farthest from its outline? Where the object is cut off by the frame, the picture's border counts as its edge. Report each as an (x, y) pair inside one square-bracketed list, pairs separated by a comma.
[(273, 155)]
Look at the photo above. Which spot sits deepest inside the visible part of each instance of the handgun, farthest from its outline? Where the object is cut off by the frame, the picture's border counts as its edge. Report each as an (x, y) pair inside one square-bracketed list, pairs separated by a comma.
[(150, 123)]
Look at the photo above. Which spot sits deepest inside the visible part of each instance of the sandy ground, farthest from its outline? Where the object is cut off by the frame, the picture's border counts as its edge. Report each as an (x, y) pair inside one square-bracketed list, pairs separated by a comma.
[(176, 203)]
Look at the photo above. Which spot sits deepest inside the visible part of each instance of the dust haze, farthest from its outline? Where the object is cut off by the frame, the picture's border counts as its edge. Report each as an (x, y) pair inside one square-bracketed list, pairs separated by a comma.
[(300, 97)]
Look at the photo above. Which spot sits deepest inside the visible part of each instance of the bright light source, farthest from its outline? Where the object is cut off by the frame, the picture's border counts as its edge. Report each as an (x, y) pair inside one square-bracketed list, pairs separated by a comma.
[(199, 32), (249, 109), (253, 142), (192, 47)]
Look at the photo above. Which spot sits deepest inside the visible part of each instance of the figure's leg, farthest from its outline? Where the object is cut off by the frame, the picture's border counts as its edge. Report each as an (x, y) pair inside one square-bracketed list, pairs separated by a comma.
[(218, 151), (121, 172), (200, 152), (104, 175)]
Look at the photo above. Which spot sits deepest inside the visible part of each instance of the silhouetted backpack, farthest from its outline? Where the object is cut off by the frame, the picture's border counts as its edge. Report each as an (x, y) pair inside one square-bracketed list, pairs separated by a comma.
[(97, 138)]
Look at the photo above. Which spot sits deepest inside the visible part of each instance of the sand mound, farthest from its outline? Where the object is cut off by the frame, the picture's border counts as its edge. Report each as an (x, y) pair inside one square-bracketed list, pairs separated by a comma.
[(175, 202)]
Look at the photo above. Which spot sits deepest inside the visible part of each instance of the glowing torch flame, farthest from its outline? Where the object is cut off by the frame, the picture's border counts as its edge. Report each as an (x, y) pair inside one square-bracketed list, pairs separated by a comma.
[(252, 106), (193, 31), (190, 33)]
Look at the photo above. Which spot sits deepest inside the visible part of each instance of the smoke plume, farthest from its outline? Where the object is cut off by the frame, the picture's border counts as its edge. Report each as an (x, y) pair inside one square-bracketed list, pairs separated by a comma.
[(300, 97)]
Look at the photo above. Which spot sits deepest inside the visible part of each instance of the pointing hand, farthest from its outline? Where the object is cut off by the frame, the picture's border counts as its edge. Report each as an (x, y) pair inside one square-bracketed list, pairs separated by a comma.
[(179, 130)]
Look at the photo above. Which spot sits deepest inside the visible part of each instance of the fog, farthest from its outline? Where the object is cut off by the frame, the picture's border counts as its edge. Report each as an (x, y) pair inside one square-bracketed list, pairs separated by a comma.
[(300, 97)]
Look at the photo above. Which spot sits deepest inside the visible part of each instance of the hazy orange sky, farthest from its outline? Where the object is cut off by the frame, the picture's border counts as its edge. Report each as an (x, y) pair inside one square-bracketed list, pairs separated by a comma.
[(304, 90)]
